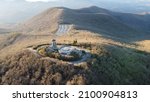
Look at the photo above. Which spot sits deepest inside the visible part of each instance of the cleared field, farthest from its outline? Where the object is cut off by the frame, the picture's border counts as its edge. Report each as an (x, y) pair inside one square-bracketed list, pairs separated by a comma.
[(63, 28)]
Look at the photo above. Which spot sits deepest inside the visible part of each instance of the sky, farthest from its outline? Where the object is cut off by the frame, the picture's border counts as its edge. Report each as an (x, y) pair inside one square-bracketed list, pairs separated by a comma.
[(18, 10), (73, 3)]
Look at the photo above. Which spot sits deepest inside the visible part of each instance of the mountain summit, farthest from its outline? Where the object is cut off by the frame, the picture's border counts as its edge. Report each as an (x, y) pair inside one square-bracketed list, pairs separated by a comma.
[(93, 18)]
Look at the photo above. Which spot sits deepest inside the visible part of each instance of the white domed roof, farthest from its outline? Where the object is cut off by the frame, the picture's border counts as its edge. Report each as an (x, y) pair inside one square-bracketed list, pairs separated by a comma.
[(68, 49)]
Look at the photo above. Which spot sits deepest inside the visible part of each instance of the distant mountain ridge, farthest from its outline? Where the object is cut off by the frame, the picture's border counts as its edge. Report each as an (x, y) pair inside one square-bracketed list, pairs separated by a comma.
[(93, 18)]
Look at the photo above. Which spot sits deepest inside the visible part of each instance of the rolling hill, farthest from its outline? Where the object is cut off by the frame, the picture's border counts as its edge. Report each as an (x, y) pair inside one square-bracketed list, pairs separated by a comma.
[(46, 21), (112, 62), (95, 19)]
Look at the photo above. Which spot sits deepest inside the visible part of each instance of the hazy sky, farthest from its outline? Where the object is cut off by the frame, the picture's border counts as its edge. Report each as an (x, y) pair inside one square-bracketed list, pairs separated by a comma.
[(17, 10), (79, 1)]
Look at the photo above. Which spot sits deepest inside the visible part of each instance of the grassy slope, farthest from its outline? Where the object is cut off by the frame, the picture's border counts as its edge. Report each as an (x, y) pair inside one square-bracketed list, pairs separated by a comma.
[(112, 63), (103, 23), (45, 22), (95, 19)]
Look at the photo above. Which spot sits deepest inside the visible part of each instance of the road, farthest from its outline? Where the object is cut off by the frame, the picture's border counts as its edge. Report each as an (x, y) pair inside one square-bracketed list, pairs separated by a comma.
[(84, 58), (63, 28)]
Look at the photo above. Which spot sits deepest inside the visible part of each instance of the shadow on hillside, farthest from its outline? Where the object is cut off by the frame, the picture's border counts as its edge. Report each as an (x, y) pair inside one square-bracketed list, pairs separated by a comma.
[(117, 65), (126, 37)]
